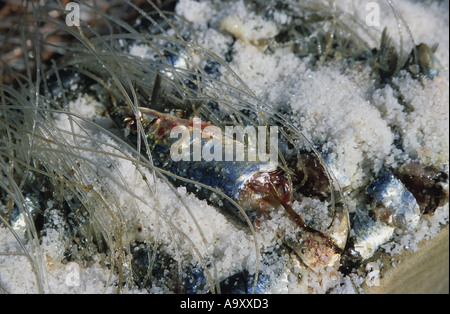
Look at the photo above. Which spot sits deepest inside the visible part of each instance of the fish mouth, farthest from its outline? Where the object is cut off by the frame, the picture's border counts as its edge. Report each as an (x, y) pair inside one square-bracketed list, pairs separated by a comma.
[(320, 248), (314, 249)]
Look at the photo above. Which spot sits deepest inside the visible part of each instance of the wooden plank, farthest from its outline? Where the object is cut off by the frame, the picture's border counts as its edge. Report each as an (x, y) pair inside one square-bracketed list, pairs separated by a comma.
[(425, 271)]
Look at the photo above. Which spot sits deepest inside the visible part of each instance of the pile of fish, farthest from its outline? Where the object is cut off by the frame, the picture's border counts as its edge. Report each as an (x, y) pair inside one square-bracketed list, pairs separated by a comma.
[(177, 84)]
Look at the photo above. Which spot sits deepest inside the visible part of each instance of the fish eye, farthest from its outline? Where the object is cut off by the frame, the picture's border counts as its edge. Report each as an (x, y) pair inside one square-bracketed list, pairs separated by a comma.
[(301, 250)]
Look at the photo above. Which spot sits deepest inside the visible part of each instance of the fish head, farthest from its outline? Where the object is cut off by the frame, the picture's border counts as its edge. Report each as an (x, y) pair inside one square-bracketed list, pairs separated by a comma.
[(314, 249), (262, 192)]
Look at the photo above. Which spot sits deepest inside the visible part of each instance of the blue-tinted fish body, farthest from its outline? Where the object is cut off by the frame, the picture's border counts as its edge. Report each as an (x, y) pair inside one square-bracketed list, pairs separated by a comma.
[(396, 204), (249, 183), (368, 235)]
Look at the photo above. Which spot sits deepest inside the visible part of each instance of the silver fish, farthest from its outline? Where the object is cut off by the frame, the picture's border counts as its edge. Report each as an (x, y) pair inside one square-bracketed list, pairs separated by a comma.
[(368, 235), (395, 204), (253, 185)]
